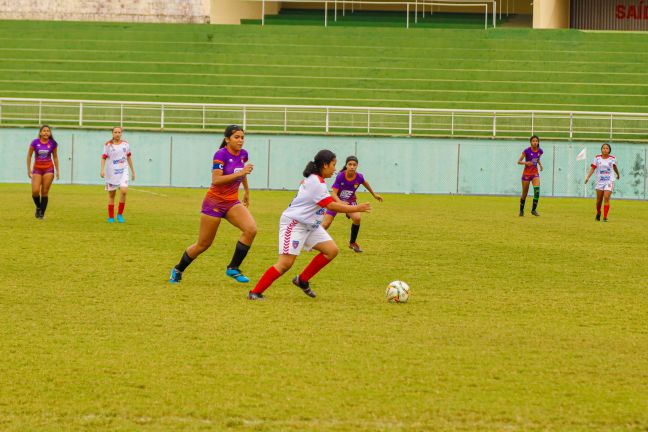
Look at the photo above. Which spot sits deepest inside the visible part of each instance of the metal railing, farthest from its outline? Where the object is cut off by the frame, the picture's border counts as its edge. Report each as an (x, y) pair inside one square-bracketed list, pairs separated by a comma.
[(337, 120)]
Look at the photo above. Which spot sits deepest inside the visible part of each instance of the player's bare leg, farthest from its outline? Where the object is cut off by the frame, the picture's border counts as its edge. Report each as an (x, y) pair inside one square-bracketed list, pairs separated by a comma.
[(36, 181), (599, 203), (240, 217)]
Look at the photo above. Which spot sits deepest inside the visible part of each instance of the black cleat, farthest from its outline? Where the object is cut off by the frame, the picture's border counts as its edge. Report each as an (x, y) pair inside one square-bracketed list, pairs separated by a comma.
[(305, 286), (255, 296), (535, 213), (521, 213), (39, 214), (598, 217), (605, 219)]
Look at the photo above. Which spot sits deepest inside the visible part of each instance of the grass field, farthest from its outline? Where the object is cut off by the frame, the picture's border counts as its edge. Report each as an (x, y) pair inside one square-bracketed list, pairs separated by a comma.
[(514, 323), (345, 66)]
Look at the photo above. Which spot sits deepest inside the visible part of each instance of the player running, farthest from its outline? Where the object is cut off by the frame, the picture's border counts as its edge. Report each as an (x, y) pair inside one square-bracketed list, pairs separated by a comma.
[(118, 155), (229, 170), (531, 160), (300, 227), (46, 165), (344, 190), (603, 164)]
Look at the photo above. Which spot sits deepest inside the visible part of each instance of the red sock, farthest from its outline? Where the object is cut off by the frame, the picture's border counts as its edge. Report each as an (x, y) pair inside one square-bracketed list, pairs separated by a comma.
[(313, 267), (598, 208), (111, 211), (120, 209), (266, 280), (606, 209)]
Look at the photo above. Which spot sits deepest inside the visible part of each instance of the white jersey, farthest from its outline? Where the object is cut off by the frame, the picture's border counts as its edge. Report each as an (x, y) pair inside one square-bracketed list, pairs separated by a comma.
[(116, 162), (309, 206), (604, 169)]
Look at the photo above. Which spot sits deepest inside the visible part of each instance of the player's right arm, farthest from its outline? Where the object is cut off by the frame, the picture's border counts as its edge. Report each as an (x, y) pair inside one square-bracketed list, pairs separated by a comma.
[(30, 152), (591, 171), (521, 161), (339, 207), (218, 178)]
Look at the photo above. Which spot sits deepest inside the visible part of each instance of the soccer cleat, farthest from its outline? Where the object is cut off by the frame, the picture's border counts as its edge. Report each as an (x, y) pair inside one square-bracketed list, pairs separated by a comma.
[(111, 220), (598, 217), (236, 274), (355, 247), (120, 218), (39, 214), (255, 296), (605, 219), (521, 213), (534, 213), (304, 286), (176, 276)]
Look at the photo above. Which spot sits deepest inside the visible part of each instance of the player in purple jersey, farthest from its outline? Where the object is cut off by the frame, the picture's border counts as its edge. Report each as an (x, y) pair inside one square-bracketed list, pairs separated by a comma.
[(45, 167), (531, 160), (344, 190), (229, 171)]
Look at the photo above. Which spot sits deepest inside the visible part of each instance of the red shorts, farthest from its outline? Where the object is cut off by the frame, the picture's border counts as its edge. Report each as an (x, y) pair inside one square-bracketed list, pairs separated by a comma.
[(216, 208), (42, 169)]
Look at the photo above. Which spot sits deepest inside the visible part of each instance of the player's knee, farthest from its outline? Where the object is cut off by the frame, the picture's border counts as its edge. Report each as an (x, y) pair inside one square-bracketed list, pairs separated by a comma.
[(332, 252), (250, 231), (282, 267), (356, 219)]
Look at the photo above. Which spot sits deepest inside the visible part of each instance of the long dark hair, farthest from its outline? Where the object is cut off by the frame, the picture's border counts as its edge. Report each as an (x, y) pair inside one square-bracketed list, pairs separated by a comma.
[(51, 134), (323, 157), (349, 159), (229, 131)]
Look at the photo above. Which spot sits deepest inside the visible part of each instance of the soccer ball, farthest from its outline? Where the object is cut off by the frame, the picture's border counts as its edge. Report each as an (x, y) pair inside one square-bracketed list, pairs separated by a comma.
[(397, 292)]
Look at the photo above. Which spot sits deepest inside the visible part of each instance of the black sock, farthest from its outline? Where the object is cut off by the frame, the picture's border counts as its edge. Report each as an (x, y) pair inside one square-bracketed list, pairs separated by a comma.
[(184, 262), (240, 252), (536, 196), (522, 201), (37, 201), (43, 205), (354, 232)]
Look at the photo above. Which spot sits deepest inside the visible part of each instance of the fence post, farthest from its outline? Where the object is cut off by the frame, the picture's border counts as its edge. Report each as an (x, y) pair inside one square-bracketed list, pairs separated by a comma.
[(244, 117), (494, 124), (204, 117), (571, 125), (285, 119), (121, 115), (325, 14), (0, 111), (162, 116), (458, 164), (40, 112), (407, 25), (553, 172), (409, 129), (326, 128), (368, 121), (452, 124), (611, 125), (532, 121), (81, 114)]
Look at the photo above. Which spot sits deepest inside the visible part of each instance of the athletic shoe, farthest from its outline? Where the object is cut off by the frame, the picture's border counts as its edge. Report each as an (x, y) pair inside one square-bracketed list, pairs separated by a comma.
[(598, 217), (39, 214), (255, 296), (176, 276), (534, 213), (236, 274), (521, 213), (605, 219), (355, 247), (120, 218), (111, 220), (305, 286)]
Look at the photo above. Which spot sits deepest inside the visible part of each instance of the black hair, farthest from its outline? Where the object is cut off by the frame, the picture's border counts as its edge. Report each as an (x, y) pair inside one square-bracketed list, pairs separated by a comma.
[(323, 157), (536, 137), (229, 131), (606, 144), (349, 159), (51, 134), (117, 127)]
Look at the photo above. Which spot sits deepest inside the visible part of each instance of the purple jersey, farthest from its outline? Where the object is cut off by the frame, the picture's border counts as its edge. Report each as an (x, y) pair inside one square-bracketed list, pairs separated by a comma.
[(229, 164), (43, 151), (346, 189)]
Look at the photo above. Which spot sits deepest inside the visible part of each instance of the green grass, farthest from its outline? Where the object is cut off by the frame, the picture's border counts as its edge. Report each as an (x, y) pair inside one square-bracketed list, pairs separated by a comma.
[(347, 65), (514, 323)]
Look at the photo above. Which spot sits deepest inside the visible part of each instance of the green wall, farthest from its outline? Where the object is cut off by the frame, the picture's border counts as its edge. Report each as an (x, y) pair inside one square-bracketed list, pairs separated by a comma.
[(405, 165)]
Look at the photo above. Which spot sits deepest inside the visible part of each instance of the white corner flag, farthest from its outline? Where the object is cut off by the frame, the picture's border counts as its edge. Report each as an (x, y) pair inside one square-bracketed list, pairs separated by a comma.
[(582, 155)]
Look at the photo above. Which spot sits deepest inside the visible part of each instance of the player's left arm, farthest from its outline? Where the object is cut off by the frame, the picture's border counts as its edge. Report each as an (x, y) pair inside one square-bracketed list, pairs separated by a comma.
[(616, 170), (246, 192), (130, 165), (368, 187), (540, 165), (56, 165)]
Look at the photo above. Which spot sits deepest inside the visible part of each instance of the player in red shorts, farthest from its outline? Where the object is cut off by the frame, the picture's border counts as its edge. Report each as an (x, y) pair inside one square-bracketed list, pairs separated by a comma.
[(45, 167), (531, 160)]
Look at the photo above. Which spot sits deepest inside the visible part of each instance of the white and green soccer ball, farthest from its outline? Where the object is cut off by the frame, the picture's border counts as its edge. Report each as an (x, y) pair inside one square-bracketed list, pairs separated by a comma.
[(397, 292)]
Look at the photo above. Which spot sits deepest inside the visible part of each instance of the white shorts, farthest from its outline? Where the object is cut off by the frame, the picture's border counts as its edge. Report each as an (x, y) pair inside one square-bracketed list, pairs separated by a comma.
[(113, 187), (605, 186), (295, 236)]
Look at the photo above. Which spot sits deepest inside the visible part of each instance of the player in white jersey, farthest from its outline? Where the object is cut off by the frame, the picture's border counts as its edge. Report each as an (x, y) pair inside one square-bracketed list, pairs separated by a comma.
[(603, 164), (117, 155), (300, 227)]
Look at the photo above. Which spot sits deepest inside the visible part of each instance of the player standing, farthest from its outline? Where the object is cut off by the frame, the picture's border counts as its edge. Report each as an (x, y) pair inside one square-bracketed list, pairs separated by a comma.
[(344, 190), (300, 227), (45, 166), (118, 155), (603, 164), (531, 160), (229, 170)]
